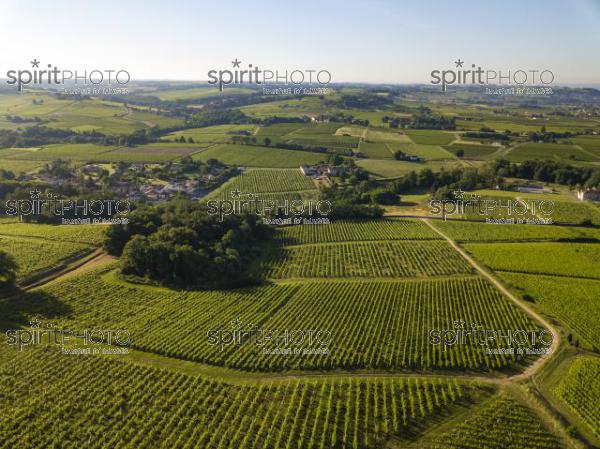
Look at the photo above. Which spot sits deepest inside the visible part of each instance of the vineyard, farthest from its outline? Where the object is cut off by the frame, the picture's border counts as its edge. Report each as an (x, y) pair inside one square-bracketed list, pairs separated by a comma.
[(86, 234), (347, 231), (34, 255), (484, 232), (394, 332), (132, 406), (580, 390), (566, 259), (365, 259), (574, 303), (266, 184), (500, 424)]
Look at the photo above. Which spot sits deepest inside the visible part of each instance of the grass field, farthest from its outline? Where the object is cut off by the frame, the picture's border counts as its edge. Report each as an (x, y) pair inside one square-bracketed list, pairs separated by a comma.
[(258, 156)]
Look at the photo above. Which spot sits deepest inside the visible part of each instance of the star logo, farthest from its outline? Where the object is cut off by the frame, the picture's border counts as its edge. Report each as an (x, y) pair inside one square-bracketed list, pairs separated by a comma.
[(236, 63), (458, 193), (459, 63), (236, 324), (235, 193), (35, 193), (34, 323), (35, 63)]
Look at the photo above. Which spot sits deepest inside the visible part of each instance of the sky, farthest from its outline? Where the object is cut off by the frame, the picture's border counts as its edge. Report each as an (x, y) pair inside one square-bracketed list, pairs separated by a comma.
[(374, 41)]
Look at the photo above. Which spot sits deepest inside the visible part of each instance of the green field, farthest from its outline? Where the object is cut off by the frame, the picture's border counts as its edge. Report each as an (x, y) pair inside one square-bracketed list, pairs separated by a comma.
[(572, 301), (35, 255), (365, 259), (267, 184), (258, 156), (430, 137), (565, 259), (580, 390), (501, 423), (139, 406), (485, 232), (348, 231), (530, 150), (473, 151), (395, 333)]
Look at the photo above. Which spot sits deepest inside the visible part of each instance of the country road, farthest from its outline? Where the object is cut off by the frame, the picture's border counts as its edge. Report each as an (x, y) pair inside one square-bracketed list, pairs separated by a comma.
[(532, 369)]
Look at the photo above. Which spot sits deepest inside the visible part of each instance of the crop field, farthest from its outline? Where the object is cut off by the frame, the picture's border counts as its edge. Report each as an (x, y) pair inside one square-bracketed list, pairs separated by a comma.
[(155, 152), (576, 213), (395, 333), (258, 156), (473, 151), (375, 150), (268, 181), (329, 414), (573, 302), (212, 134), (19, 166), (555, 151), (580, 390), (426, 152), (348, 231), (191, 93), (76, 152), (485, 232), (565, 259), (86, 234), (37, 255), (81, 115), (394, 169), (365, 259), (500, 423), (591, 144), (430, 137)]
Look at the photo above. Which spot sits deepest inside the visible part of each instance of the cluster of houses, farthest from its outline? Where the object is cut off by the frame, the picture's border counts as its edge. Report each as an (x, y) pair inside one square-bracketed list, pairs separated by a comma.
[(156, 193), (592, 194), (321, 171)]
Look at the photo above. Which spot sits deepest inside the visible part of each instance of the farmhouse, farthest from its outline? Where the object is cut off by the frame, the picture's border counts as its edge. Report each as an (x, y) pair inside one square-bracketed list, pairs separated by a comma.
[(319, 171), (592, 194), (531, 189)]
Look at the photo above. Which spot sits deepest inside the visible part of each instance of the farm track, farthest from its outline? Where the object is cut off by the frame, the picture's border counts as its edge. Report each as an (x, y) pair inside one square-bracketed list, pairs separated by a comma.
[(98, 258), (532, 369)]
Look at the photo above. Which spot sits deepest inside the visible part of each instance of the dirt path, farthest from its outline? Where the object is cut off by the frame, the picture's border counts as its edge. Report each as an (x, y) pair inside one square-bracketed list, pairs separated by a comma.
[(539, 363)]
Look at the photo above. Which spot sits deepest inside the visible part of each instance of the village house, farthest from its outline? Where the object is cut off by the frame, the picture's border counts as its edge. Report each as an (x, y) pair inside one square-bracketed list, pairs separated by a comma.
[(592, 194)]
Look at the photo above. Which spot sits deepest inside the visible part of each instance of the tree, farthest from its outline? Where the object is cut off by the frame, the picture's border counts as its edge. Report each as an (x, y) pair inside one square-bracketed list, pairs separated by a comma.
[(267, 141), (460, 153), (8, 269)]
